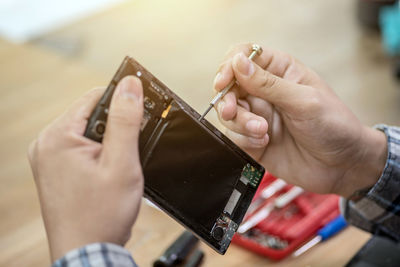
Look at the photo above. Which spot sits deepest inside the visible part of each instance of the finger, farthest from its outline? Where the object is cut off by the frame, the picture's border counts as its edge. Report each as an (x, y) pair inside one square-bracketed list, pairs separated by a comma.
[(247, 123), (258, 82), (246, 48), (224, 75), (286, 66), (247, 143), (123, 124), (244, 103), (76, 117), (83, 107), (225, 72), (227, 106), (276, 62), (260, 107)]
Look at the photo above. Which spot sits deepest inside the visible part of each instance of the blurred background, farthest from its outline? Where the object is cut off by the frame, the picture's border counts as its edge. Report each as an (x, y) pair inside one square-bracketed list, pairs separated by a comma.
[(52, 52)]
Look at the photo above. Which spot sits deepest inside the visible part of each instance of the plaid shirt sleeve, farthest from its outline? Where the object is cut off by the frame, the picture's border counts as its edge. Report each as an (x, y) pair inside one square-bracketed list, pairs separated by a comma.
[(97, 255), (377, 209)]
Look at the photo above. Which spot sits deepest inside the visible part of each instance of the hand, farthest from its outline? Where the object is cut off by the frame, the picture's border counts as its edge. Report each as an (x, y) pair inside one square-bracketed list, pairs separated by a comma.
[(287, 118), (90, 192)]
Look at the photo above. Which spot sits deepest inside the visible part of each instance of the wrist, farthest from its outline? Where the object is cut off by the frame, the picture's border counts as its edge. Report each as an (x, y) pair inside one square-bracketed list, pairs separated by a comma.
[(62, 243), (369, 166)]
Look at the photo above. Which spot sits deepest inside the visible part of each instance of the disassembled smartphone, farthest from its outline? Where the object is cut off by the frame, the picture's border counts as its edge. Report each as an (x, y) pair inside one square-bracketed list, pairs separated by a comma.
[(192, 171)]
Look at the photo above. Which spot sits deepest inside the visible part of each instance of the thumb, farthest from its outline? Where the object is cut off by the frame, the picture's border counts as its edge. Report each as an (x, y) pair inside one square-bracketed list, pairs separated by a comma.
[(125, 116), (261, 83)]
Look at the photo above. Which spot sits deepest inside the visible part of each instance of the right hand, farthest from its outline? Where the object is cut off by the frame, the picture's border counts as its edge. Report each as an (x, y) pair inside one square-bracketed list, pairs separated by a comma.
[(286, 117)]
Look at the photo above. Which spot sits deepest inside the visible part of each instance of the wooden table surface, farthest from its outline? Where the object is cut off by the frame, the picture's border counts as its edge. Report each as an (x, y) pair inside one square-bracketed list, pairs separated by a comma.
[(182, 43)]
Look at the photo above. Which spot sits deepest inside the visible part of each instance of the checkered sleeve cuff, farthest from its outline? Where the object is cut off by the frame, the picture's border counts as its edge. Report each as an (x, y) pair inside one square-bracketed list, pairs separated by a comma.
[(377, 209), (97, 255)]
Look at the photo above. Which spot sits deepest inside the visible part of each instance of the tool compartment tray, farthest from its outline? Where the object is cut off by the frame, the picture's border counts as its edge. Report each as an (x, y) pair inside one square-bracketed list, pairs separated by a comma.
[(286, 229)]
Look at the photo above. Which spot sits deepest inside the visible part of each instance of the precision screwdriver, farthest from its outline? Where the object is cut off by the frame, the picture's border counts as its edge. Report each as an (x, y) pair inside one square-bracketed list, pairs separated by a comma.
[(255, 50), (329, 230)]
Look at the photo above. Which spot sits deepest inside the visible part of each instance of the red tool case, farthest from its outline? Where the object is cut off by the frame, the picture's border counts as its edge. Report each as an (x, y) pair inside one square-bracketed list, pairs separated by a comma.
[(291, 226)]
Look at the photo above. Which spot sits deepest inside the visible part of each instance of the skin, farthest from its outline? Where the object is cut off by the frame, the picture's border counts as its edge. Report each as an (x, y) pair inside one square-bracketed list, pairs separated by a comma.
[(282, 114), (286, 117), (90, 192)]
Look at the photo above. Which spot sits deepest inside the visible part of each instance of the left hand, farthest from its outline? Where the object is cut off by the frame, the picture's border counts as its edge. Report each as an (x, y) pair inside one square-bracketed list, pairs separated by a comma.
[(90, 192)]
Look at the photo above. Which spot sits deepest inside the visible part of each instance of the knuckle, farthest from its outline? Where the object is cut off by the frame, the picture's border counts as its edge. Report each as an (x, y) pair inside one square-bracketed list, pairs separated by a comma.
[(290, 61), (313, 102), (49, 139), (44, 142), (268, 81), (300, 76), (128, 174)]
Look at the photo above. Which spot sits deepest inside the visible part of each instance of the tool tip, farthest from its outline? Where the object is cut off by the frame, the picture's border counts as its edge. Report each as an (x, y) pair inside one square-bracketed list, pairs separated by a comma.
[(205, 113)]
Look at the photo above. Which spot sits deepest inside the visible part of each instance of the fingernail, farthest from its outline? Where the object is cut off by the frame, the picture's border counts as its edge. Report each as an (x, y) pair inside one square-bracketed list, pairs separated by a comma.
[(127, 88), (217, 79), (243, 64), (221, 106), (253, 126)]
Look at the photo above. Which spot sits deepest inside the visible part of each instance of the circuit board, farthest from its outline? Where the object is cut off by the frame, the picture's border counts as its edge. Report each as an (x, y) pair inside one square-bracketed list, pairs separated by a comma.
[(252, 174)]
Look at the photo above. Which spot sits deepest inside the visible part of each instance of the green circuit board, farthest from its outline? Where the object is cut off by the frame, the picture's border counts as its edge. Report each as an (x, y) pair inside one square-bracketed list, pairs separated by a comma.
[(252, 174)]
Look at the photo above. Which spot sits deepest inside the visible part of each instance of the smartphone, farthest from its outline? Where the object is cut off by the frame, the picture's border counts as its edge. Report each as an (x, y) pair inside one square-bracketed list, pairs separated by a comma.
[(192, 171)]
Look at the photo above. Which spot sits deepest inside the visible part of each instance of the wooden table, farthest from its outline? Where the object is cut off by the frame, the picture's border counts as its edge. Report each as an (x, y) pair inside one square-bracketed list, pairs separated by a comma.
[(36, 87), (38, 81)]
